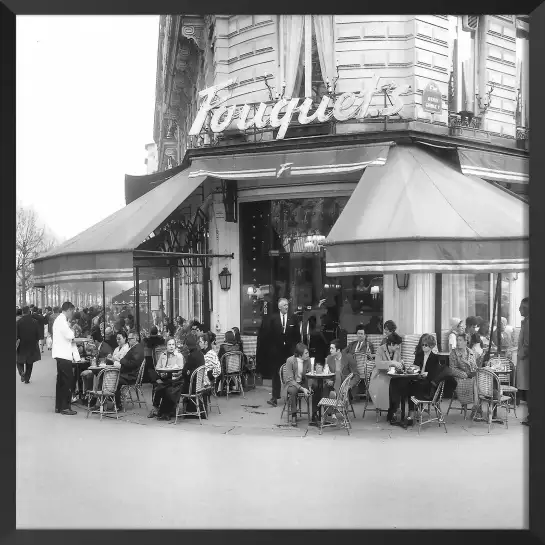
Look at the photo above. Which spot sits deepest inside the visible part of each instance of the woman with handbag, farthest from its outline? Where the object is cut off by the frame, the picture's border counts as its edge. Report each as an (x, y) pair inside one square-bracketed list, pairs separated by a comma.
[(463, 364)]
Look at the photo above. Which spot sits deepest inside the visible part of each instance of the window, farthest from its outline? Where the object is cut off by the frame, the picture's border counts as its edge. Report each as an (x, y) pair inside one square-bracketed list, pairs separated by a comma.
[(307, 60), (473, 295), (282, 257), (464, 77), (523, 71)]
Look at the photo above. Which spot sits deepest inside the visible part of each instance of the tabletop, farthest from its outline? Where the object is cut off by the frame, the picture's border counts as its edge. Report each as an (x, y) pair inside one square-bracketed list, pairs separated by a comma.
[(320, 375), (404, 375), (169, 370)]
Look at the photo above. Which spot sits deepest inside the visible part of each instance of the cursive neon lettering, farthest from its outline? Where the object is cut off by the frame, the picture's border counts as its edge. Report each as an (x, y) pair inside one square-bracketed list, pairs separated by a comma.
[(283, 123)]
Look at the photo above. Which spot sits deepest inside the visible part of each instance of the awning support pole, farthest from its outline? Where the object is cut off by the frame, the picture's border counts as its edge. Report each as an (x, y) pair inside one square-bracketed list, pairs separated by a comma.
[(171, 301), (137, 300), (496, 301), (498, 346), (104, 306)]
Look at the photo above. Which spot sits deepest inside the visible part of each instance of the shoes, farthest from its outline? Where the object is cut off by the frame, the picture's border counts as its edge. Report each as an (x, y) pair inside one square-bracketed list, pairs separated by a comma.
[(27, 381), (57, 410), (410, 422), (152, 414), (22, 378), (68, 412), (272, 402), (164, 417)]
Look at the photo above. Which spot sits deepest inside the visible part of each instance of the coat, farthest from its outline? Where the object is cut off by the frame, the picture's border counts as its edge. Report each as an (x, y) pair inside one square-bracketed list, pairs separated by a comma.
[(291, 372), (194, 360), (28, 335), (274, 346), (523, 356), (423, 387), (42, 322), (130, 363), (379, 384)]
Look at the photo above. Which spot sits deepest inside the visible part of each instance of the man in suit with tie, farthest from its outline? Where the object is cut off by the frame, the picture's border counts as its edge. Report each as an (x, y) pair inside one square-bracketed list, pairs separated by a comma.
[(359, 345), (282, 335)]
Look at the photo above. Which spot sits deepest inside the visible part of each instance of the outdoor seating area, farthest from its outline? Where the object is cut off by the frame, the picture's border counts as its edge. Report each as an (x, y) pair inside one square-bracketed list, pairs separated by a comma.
[(494, 391)]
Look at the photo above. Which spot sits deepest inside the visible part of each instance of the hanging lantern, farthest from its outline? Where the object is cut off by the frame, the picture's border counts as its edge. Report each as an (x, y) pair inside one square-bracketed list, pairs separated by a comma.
[(402, 281), (225, 279)]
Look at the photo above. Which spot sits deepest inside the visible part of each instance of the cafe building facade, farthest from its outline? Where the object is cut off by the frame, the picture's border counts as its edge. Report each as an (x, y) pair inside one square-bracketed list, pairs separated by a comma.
[(267, 126)]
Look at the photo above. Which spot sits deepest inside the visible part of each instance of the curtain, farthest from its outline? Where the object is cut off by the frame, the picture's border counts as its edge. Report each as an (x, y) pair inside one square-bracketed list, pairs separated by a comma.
[(468, 86), (458, 298), (323, 27), (293, 28)]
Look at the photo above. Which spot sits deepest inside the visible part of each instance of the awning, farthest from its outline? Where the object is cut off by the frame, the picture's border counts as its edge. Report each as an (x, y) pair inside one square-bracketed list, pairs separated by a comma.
[(499, 167), (104, 252), (293, 163), (418, 214), (136, 186)]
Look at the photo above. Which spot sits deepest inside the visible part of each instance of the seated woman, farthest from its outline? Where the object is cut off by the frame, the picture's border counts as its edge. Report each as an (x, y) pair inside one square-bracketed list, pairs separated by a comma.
[(247, 366), (170, 359), (432, 372), (388, 354), (211, 362), (297, 367), (122, 349), (229, 345), (388, 328), (456, 326), (464, 368)]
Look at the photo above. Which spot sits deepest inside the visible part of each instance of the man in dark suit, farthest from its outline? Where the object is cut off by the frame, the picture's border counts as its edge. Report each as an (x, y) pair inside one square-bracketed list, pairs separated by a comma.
[(281, 335), (28, 351), (130, 364)]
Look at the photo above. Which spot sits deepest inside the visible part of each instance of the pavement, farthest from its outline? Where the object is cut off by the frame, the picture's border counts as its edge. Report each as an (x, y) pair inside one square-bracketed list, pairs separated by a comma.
[(241, 469)]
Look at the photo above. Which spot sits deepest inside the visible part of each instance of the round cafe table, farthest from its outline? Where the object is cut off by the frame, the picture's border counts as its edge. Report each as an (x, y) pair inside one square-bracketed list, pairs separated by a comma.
[(319, 377), (403, 376)]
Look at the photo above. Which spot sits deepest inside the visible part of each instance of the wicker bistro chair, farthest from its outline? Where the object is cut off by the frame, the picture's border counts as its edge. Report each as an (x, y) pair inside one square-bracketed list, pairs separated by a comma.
[(366, 378), (300, 397), (110, 378), (489, 391), (504, 368), (128, 389), (196, 385), (424, 405), (339, 405), (232, 364), (210, 393)]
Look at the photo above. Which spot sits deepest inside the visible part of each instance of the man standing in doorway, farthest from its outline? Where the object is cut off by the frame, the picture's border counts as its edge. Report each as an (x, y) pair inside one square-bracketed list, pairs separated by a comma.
[(283, 334), (62, 350), (523, 355)]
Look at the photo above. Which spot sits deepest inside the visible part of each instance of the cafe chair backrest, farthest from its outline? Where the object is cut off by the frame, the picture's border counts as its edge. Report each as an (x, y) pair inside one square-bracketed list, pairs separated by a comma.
[(486, 381), (343, 390), (197, 380), (140, 375), (232, 361), (110, 378), (374, 341)]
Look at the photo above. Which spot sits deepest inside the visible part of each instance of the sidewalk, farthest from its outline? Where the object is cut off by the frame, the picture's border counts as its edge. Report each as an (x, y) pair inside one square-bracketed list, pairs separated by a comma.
[(252, 414)]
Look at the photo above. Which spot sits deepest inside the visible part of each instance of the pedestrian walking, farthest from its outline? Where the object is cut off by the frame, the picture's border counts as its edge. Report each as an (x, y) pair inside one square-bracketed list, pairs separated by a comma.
[(62, 350), (28, 350)]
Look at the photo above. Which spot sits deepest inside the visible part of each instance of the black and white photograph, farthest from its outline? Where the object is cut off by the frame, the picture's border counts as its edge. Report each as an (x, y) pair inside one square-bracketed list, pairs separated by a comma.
[(272, 272)]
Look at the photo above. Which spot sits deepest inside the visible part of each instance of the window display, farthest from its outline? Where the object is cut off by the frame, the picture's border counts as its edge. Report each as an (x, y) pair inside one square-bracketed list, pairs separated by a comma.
[(282, 256)]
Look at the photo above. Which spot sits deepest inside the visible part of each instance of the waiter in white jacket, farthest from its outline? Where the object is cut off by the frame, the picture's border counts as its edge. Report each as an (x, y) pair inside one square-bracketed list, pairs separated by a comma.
[(62, 351)]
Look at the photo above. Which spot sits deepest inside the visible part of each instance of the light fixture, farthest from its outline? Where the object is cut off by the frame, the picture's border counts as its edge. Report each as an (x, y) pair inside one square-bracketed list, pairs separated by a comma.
[(402, 281), (225, 279)]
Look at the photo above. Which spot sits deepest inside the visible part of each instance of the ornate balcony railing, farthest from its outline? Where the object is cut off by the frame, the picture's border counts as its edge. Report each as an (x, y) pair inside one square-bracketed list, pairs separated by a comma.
[(464, 120), (523, 133)]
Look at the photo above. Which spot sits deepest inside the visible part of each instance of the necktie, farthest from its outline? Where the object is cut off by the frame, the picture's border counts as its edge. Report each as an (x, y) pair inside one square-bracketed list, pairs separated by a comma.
[(358, 348), (283, 323)]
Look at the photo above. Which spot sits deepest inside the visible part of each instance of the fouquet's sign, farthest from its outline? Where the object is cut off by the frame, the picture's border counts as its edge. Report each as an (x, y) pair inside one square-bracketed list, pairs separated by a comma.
[(342, 107)]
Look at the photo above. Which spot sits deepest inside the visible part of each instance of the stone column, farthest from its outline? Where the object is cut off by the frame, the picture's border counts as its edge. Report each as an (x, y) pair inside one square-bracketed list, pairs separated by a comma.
[(224, 239)]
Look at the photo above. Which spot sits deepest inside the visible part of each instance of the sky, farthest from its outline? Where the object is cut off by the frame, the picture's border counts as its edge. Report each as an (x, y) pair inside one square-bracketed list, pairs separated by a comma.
[(85, 106)]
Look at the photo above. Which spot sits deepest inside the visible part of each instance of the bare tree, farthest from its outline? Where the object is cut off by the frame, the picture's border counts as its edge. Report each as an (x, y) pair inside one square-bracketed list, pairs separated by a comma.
[(31, 241)]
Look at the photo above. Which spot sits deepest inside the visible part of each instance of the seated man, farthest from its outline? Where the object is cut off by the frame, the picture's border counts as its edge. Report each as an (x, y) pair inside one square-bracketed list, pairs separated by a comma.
[(297, 367), (130, 364), (170, 359)]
